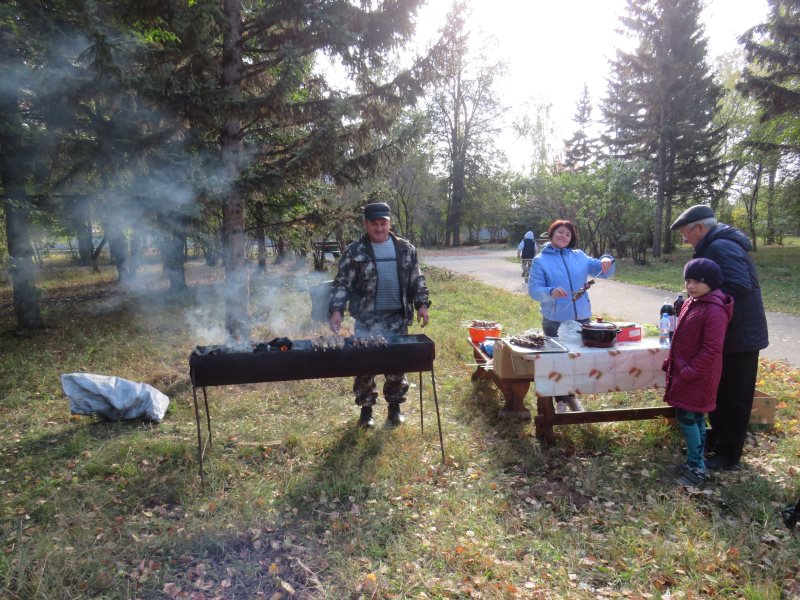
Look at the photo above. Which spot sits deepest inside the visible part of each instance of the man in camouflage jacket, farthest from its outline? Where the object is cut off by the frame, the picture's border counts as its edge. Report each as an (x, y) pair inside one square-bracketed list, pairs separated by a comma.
[(379, 304)]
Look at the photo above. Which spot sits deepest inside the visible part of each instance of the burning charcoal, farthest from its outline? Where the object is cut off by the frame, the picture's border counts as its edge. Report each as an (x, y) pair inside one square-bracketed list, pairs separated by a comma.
[(281, 344)]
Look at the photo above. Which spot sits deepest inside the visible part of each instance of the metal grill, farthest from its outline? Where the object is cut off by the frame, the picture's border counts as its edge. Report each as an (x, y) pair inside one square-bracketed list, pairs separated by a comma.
[(220, 365)]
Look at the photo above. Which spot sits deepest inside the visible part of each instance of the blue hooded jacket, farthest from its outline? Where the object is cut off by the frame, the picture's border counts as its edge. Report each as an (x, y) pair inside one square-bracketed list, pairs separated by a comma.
[(569, 269)]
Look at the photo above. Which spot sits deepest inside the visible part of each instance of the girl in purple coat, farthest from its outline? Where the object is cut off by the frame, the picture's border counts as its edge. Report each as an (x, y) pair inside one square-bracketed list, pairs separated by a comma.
[(694, 364)]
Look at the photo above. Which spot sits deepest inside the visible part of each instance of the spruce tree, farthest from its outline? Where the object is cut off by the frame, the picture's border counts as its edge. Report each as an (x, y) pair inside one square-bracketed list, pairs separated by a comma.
[(660, 105), (581, 149), (772, 50)]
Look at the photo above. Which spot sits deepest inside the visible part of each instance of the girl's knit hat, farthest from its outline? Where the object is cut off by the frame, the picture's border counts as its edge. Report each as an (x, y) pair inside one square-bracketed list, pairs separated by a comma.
[(704, 270)]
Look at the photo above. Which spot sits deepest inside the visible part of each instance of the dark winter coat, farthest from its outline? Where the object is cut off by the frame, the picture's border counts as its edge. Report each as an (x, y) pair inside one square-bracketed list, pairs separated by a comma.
[(356, 283), (729, 247), (694, 364)]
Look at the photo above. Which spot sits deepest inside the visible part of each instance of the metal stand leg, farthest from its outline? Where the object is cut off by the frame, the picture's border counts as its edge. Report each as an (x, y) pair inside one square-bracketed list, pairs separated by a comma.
[(421, 420), (201, 451), (208, 417), (199, 436), (438, 417)]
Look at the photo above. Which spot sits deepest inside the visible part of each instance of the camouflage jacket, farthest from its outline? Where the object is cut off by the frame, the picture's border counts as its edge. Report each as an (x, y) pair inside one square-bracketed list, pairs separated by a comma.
[(356, 283)]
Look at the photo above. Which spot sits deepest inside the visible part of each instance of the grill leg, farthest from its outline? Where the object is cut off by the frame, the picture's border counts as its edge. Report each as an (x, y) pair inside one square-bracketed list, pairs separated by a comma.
[(208, 417), (199, 436), (438, 417), (421, 419)]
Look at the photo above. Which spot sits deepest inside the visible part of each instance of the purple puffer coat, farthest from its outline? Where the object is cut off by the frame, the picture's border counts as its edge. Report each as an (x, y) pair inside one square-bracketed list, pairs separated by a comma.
[(694, 363)]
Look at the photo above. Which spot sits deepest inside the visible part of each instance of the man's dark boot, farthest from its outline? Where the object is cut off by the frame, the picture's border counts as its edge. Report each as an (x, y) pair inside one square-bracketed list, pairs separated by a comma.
[(395, 416), (366, 420)]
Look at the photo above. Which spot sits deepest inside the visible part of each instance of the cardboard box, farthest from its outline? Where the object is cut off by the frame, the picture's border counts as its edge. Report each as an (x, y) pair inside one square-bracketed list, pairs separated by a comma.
[(629, 332), (508, 364), (764, 407)]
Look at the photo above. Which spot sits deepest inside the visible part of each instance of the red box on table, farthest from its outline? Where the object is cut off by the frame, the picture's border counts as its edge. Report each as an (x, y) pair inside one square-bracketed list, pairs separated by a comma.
[(629, 332)]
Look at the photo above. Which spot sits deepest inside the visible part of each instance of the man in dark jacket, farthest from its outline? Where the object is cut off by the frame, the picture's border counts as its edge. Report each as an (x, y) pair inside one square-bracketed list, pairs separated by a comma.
[(746, 335), (380, 279)]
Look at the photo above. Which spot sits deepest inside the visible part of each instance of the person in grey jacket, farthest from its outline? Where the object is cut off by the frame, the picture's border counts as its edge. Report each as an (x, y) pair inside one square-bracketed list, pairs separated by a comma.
[(746, 335), (380, 281), (558, 275)]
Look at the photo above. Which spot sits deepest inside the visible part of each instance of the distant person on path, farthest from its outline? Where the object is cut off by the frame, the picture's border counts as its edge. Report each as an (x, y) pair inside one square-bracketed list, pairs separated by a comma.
[(694, 363), (380, 279), (526, 250), (746, 335), (557, 281)]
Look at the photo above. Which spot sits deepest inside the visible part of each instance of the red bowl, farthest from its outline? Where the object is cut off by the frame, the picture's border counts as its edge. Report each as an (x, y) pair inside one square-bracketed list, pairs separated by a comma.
[(478, 334)]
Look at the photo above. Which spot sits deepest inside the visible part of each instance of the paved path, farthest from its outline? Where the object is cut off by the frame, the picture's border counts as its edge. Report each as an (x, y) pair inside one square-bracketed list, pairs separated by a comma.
[(614, 299)]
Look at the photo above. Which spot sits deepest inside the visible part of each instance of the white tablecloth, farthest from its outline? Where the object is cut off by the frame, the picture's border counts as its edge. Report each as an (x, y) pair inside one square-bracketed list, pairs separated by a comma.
[(582, 370)]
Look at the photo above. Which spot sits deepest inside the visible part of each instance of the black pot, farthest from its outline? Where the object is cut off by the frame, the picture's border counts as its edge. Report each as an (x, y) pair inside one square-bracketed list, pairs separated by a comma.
[(597, 334)]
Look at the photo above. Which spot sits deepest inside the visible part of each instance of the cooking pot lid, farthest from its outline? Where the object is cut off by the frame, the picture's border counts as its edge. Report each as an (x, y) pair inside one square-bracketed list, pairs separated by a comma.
[(599, 326)]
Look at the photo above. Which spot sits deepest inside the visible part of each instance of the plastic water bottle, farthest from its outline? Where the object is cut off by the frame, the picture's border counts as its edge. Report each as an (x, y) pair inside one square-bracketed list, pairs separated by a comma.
[(678, 305), (669, 308), (663, 331)]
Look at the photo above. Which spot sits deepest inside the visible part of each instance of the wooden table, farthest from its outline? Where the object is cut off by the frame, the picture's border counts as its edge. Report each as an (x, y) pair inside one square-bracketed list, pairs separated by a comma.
[(581, 370), (514, 390)]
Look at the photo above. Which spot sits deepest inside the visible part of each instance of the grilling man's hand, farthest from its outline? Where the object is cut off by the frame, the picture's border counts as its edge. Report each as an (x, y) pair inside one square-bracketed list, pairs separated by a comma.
[(422, 315), (335, 321)]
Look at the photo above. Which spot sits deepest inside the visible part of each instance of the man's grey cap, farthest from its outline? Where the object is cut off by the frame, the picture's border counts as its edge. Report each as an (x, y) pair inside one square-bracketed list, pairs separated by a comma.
[(698, 212), (377, 210)]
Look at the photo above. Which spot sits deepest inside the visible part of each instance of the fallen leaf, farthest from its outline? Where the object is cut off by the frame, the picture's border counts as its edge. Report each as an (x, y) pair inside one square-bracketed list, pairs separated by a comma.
[(288, 587)]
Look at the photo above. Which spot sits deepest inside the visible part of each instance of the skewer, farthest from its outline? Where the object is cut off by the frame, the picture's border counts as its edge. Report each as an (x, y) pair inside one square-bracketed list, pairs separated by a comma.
[(481, 324)]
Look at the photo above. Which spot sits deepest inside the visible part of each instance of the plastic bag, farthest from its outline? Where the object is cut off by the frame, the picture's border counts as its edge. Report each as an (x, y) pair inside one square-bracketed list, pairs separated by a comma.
[(113, 397), (570, 331)]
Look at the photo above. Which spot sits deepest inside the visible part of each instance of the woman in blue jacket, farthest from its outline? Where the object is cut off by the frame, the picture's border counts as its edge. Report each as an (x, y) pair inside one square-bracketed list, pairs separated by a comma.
[(559, 272)]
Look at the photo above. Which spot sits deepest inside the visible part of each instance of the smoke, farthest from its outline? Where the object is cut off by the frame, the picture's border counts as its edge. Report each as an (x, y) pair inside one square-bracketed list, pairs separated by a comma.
[(142, 177)]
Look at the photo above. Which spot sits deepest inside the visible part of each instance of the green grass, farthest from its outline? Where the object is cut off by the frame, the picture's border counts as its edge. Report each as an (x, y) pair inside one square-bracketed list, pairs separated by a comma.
[(298, 498)]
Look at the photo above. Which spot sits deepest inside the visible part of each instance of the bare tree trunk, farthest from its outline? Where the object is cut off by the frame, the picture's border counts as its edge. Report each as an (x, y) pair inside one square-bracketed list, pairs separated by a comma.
[(96, 253), (136, 250), (118, 248), (81, 222), (458, 199), (85, 243), (20, 267), (237, 288), (172, 259), (661, 176), (773, 169), (261, 237), (449, 209), (751, 206), (16, 206)]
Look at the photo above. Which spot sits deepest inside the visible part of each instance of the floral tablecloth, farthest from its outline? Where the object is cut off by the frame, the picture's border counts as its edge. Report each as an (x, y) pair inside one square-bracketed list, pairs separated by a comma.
[(582, 370)]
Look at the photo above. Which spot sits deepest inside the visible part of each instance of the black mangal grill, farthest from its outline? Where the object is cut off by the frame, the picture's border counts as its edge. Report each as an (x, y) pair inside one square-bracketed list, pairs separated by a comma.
[(215, 365), (300, 359)]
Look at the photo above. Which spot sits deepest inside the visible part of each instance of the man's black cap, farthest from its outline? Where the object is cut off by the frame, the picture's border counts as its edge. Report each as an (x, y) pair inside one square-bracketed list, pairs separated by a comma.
[(698, 212), (377, 210)]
